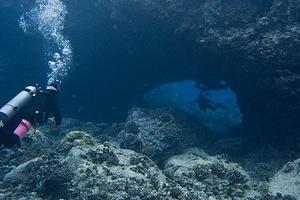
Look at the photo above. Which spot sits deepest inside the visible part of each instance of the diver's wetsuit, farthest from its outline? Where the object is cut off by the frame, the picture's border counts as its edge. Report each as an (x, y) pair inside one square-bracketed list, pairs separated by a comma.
[(36, 112)]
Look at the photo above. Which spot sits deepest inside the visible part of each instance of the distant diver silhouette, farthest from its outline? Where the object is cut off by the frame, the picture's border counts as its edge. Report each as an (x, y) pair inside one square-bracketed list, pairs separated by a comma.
[(205, 103), (203, 99)]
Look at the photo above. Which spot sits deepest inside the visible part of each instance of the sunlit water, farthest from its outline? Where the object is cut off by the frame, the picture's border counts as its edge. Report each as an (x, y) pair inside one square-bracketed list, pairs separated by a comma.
[(47, 18)]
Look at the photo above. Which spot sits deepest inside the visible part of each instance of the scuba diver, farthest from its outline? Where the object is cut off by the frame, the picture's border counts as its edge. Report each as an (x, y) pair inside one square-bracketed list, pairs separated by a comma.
[(205, 102), (31, 107)]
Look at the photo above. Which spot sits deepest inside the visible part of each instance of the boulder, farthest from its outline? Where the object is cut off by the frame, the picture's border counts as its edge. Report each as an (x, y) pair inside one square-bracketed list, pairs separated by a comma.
[(287, 180), (209, 177), (84, 168), (158, 134), (19, 174)]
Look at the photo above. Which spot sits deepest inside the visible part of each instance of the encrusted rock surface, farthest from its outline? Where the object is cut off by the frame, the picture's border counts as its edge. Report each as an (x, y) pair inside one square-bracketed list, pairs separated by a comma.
[(267, 30), (209, 177), (82, 167), (158, 133), (287, 180), (79, 165)]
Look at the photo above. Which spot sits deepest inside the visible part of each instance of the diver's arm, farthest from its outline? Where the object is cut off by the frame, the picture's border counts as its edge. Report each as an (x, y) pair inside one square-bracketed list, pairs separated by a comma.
[(52, 107), (57, 114)]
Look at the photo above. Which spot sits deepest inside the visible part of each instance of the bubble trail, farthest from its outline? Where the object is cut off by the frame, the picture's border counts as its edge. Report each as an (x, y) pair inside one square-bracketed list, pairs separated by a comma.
[(47, 18)]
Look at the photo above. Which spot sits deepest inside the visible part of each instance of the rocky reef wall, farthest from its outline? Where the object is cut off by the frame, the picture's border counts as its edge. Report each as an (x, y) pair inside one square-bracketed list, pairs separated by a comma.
[(264, 35), (151, 156)]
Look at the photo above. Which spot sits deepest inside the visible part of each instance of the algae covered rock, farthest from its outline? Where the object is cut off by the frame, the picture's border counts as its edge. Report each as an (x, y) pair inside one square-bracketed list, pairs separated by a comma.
[(84, 168), (158, 134), (75, 138), (18, 174), (287, 180), (103, 171), (130, 174), (207, 176)]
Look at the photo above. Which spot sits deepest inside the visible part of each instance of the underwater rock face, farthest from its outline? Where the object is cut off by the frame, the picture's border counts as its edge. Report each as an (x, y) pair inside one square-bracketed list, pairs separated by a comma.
[(84, 168), (103, 171), (209, 175), (287, 180), (18, 175), (87, 169), (79, 166), (261, 29), (158, 134)]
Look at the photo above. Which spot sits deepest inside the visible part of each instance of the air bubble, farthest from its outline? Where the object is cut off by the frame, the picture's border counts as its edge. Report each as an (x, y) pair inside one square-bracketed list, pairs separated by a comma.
[(56, 56), (47, 18)]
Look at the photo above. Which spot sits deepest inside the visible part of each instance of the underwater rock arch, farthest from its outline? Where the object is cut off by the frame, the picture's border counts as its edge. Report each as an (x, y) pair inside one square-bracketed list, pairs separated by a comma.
[(255, 52)]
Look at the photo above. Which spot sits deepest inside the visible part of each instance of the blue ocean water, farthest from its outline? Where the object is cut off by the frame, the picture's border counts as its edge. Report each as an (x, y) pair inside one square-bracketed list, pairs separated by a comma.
[(217, 109), (99, 61), (108, 55)]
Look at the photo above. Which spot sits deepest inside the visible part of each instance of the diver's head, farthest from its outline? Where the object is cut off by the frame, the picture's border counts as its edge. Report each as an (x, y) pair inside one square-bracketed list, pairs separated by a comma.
[(53, 87)]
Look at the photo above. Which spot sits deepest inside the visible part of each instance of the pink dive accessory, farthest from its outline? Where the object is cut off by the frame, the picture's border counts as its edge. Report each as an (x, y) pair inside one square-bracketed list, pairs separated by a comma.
[(23, 128)]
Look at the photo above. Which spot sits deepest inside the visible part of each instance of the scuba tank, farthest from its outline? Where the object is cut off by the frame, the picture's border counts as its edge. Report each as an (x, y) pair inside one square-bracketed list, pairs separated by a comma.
[(10, 109)]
